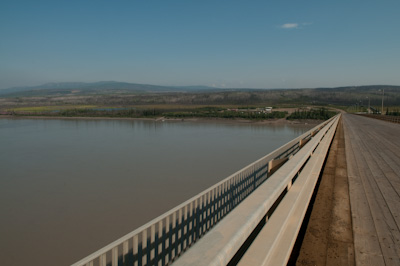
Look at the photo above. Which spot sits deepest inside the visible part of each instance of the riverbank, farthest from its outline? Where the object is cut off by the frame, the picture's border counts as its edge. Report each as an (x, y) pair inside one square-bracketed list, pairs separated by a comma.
[(281, 121)]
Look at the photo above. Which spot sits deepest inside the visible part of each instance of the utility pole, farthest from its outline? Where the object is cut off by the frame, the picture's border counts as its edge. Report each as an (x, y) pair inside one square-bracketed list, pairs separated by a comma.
[(383, 93), (369, 105)]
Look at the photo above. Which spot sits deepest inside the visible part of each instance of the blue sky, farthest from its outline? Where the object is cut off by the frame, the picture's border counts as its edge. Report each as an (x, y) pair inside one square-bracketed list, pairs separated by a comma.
[(245, 44)]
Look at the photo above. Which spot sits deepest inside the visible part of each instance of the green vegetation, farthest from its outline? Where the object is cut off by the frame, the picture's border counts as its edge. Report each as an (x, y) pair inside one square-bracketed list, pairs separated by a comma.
[(126, 100), (227, 114), (36, 109), (395, 112), (98, 112), (320, 114), (181, 112)]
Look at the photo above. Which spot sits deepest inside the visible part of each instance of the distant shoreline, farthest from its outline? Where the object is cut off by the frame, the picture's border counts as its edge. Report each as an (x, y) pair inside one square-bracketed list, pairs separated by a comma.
[(281, 121)]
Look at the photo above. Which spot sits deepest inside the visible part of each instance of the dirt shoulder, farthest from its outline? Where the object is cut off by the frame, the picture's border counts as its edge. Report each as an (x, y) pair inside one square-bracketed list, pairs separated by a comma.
[(328, 238)]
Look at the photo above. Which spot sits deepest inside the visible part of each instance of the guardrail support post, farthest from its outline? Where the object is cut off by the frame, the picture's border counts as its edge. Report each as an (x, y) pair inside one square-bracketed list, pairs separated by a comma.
[(135, 246), (274, 165), (114, 256), (103, 259), (289, 185), (125, 250)]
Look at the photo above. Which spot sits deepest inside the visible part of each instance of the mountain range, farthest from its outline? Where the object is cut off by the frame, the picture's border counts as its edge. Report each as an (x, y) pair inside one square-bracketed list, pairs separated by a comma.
[(332, 95), (97, 87)]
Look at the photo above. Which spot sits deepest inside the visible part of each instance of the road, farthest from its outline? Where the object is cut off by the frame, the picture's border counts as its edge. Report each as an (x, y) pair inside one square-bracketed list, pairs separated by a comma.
[(356, 214)]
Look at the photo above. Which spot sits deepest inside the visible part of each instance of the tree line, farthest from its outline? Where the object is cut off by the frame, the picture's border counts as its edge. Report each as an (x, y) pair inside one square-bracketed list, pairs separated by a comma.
[(227, 114), (315, 113)]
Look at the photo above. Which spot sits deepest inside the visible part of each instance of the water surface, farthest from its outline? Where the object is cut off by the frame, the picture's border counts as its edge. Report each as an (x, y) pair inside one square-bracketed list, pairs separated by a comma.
[(69, 187)]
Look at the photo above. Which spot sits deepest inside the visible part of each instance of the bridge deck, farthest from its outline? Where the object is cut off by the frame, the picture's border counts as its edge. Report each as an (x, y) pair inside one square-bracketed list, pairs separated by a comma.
[(373, 164)]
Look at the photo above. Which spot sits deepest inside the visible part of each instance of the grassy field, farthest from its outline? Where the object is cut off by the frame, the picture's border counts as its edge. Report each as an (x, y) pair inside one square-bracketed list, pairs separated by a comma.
[(181, 111), (155, 104)]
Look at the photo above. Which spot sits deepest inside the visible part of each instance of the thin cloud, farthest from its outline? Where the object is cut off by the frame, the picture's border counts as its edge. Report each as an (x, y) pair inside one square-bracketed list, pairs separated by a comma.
[(289, 26), (295, 25)]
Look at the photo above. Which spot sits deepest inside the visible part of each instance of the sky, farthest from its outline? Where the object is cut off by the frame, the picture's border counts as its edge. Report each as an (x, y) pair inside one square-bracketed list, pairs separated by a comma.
[(220, 43)]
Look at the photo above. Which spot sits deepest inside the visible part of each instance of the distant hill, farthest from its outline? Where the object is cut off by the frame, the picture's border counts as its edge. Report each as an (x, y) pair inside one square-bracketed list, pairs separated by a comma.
[(95, 87), (123, 93)]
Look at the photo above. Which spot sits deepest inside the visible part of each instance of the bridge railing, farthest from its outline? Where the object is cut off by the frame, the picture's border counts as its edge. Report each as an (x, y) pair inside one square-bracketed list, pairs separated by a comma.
[(161, 240), (390, 118), (263, 228)]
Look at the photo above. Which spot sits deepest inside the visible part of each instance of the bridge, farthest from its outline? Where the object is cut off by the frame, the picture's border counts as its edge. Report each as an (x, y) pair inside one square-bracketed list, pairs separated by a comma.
[(254, 216)]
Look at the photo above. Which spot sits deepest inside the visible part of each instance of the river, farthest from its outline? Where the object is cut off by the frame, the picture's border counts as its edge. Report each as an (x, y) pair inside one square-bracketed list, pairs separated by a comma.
[(69, 187)]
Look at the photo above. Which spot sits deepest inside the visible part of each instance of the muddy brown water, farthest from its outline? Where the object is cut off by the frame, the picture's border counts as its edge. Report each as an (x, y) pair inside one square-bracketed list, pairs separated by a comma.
[(70, 187)]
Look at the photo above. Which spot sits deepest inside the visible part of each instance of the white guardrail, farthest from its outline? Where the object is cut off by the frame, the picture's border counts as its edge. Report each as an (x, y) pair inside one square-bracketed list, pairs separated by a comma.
[(169, 236)]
